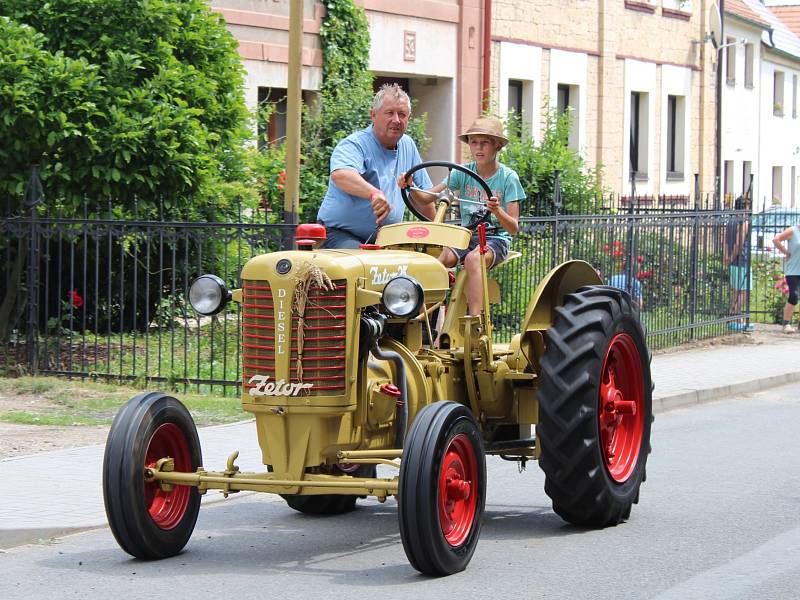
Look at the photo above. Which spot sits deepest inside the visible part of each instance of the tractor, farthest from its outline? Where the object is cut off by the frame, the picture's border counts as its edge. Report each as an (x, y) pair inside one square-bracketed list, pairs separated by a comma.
[(343, 371)]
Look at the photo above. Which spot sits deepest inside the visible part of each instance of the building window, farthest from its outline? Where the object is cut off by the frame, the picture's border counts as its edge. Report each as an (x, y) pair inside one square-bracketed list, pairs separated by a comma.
[(638, 134), (793, 184), (271, 115), (777, 185), (676, 136), (727, 184), (794, 96), (748, 65), (730, 61), (777, 94), (568, 101), (747, 169), (515, 96)]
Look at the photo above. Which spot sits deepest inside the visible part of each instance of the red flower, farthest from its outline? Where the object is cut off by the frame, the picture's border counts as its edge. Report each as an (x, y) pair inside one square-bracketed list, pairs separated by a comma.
[(75, 299), (606, 248), (643, 275), (616, 253), (618, 243), (640, 259), (282, 179)]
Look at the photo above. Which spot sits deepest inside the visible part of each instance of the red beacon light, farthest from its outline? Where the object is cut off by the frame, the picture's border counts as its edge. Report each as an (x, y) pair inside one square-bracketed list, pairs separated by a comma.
[(309, 235)]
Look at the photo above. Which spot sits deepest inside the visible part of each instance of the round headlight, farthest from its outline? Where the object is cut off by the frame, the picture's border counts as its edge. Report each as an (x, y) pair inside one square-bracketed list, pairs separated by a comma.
[(208, 295), (403, 296)]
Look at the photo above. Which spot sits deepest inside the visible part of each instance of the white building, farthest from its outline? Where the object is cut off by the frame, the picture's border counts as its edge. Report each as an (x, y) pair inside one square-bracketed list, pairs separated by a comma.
[(761, 126)]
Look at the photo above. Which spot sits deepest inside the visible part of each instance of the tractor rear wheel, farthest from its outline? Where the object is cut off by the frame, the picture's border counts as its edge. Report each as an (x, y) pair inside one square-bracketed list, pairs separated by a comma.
[(147, 521), (442, 489), (595, 407), (328, 504)]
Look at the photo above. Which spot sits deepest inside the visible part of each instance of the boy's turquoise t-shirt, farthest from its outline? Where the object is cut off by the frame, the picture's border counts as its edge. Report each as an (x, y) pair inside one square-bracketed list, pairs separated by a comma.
[(504, 184)]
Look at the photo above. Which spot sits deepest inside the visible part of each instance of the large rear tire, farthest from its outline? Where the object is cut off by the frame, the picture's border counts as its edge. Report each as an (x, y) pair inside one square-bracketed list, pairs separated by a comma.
[(328, 504), (595, 407), (146, 521), (442, 489)]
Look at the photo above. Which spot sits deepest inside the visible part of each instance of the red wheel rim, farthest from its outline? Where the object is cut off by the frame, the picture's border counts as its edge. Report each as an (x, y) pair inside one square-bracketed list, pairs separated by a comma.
[(167, 508), (621, 407), (458, 490)]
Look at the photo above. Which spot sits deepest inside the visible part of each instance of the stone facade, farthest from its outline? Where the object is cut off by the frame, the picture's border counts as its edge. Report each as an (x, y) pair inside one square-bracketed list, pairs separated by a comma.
[(653, 48)]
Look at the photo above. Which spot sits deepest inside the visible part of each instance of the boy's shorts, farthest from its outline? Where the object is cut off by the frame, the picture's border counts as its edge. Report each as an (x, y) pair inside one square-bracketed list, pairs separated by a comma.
[(498, 245), (741, 278)]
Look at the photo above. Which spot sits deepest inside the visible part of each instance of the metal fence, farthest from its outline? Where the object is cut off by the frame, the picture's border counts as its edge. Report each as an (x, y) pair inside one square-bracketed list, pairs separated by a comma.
[(106, 298)]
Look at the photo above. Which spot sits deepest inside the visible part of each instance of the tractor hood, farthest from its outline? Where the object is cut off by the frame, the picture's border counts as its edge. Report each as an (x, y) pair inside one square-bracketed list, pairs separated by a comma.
[(368, 269)]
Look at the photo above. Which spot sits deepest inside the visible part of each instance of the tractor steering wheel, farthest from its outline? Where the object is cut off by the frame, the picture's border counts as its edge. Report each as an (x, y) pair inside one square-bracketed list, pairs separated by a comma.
[(446, 194)]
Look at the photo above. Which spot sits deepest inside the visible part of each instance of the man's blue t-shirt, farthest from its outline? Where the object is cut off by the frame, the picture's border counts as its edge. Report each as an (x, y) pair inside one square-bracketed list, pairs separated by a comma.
[(505, 187), (362, 152)]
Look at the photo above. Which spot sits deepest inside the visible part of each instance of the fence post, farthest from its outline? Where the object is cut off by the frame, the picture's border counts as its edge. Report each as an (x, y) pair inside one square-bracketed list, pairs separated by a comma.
[(693, 266), (32, 197), (556, 207), (630, 244)]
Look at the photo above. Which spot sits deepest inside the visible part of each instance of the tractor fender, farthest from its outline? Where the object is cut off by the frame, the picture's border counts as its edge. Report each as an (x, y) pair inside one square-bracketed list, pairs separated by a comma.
[(564, 279)]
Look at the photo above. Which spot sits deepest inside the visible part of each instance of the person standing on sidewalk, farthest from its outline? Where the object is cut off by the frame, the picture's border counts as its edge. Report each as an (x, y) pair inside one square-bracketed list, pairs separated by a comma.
[(737, 257), (791, 270), (362, 194)]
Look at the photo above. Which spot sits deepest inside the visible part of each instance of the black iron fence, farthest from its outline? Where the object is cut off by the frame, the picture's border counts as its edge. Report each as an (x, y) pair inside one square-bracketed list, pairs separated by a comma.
[(106, 298)]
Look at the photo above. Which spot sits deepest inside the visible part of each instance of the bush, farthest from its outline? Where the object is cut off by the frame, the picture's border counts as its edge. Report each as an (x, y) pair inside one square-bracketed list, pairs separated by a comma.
[(119, 98), (536, 166)]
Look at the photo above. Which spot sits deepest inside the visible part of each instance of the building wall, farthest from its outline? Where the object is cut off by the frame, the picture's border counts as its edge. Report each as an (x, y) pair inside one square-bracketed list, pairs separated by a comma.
[(741, 113), (779, 135), (435, 44), (608, 49), (262, 30)]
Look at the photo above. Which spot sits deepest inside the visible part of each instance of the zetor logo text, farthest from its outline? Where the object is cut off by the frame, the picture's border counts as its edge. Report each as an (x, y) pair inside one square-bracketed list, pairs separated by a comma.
[(264, 387), (384, 276)]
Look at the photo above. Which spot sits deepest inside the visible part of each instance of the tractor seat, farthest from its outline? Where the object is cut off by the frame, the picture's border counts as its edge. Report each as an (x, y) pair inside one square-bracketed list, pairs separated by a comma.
[(512, 254)]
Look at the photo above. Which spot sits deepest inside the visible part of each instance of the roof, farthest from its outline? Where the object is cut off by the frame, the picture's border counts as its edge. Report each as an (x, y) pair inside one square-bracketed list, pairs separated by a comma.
[(738, 8), (781, 37), (790, 15)]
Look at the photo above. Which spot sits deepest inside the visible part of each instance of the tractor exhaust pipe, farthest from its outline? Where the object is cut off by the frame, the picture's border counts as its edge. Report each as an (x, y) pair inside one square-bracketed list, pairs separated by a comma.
[(401, 419)]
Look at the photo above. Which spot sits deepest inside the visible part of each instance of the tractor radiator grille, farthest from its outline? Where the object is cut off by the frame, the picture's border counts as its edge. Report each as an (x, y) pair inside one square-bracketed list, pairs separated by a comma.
[(323, 331)]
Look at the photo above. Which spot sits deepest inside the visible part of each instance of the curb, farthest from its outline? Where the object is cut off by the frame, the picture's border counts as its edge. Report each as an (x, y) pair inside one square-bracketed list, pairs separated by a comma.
[(714, 394)]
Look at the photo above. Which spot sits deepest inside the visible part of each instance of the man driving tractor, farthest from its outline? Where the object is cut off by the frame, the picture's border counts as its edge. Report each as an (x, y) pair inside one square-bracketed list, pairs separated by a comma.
[(362, 194)]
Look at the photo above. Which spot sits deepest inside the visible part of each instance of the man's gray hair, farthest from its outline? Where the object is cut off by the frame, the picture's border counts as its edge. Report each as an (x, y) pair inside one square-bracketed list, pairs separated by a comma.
[(394, 92)]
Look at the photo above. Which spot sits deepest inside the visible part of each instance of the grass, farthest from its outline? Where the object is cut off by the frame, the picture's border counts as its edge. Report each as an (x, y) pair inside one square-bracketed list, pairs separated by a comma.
[(75, 402)]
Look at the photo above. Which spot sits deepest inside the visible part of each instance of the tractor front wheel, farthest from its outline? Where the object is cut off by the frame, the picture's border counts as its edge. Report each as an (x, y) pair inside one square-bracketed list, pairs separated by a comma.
[(148, 521), (595, 407), (442, 489)]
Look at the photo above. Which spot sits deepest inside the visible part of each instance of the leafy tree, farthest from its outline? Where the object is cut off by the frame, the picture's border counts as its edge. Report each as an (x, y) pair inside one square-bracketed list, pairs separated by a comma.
[(118, 98), (128, 106)]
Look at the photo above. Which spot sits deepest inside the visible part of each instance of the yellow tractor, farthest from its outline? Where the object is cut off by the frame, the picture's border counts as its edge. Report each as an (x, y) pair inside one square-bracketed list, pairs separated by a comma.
[(343, 372)]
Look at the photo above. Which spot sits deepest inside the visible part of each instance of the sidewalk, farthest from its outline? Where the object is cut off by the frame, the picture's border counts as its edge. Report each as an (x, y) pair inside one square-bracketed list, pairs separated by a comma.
[(55, 493)]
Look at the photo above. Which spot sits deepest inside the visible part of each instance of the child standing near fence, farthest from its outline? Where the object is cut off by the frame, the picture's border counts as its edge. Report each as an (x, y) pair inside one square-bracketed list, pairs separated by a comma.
[(485, 139)]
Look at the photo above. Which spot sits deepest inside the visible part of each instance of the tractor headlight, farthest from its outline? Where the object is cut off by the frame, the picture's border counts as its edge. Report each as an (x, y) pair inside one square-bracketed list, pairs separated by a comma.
[(208, 295), (403, 296)]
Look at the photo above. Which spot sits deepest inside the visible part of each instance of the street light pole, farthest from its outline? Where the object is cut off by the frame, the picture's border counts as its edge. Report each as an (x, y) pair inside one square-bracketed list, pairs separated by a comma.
[(291, 199)]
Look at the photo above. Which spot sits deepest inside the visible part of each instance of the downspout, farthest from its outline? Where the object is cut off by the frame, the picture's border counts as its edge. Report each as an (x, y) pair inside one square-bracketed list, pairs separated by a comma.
[(718, 201), (487, 53)]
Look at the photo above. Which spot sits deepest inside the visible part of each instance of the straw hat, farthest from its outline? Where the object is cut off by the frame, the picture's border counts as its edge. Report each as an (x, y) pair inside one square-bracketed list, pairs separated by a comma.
[(489, 126)]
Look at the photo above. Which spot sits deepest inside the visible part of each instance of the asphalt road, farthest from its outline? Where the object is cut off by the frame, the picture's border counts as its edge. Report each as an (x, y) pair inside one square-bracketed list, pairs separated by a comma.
[(718, 518)]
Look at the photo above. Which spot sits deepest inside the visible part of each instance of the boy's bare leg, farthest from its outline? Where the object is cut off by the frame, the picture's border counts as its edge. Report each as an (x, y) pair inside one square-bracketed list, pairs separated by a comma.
[(472, 264), (448, 258)]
